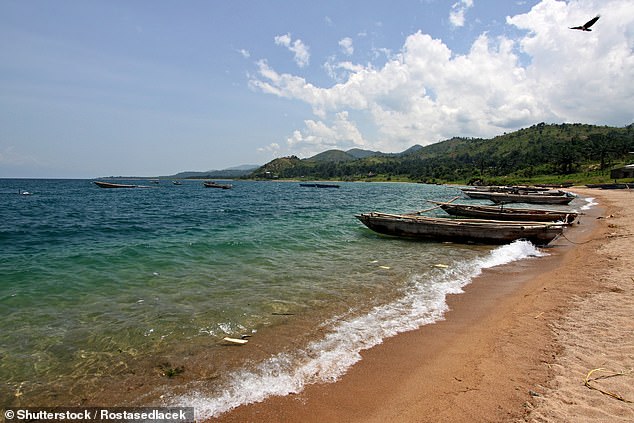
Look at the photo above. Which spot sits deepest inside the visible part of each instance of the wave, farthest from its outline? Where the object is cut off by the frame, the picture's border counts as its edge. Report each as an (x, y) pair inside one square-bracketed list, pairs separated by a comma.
[(327, 359), (589, 203)]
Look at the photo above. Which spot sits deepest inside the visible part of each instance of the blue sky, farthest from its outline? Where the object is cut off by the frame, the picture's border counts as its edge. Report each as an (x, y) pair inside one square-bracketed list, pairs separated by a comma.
[(97, 88)]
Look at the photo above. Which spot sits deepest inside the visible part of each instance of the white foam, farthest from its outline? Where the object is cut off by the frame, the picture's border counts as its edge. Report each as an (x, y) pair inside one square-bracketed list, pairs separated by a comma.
[(590, 203), (328, 359)]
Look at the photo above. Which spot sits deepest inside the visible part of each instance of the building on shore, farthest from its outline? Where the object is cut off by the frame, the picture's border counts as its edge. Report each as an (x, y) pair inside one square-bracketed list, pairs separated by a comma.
[(623, 172)]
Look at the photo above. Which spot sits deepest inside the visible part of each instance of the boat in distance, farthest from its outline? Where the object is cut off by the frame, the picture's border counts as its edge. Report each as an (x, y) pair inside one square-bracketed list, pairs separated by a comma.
[(317, 185), (479, 231), (102, 184), (505, 197), (507, 213), (212, 184)]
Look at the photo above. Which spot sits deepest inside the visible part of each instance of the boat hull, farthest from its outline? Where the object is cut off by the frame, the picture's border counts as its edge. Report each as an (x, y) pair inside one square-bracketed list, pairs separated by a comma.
[(505, 213), (501, 197), (101, 184), (611, 186), (459, 230), (217, 185), (318, 185)]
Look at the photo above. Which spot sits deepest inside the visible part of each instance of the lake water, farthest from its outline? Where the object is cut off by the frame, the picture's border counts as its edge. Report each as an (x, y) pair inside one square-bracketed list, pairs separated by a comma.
[(124, 296)]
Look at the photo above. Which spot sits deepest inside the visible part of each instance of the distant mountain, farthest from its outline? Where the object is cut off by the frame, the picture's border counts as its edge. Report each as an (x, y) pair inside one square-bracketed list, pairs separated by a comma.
[(233, 172), (292, 166), (413, 149), (362, 154), (248, 167), (276, 167), (332, 156), (551, 151), (183, 175), (352, 154)]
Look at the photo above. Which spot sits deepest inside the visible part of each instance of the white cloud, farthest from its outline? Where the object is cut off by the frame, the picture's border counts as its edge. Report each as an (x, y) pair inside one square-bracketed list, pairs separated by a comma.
[(340, 71), (427, 92), (297, 47), (318, 136), (271, 148), (346, 46), (583, 76), (245, 53), (458, 10)]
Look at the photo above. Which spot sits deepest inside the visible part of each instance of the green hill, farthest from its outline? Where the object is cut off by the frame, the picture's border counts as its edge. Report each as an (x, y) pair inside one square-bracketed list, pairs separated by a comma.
[(542, 153), (358, 153), (332, 156), (232, 172)]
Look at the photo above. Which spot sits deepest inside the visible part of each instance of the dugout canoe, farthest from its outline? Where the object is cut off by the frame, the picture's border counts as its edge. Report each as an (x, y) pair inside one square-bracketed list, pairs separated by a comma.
[(507, 213), (479, 231), (505, 197)]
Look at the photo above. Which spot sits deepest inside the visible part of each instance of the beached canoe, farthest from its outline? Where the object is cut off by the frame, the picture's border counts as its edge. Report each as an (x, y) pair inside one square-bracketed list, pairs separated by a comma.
[(507, 213), (102, 184), (512, 189), (611, 186), (505, 197), (479, 231)]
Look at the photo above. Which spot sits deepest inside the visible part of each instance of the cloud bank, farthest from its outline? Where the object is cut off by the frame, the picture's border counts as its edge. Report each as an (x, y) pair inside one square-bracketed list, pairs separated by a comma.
[(426, 93)]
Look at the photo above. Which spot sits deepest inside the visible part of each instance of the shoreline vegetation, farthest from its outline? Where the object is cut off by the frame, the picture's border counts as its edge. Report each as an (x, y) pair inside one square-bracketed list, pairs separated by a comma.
[(541, 154), (566, 153), (533, 341)]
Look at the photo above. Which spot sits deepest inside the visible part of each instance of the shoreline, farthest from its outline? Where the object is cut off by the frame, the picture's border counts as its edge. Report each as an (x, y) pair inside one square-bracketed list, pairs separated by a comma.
[(493, 357)]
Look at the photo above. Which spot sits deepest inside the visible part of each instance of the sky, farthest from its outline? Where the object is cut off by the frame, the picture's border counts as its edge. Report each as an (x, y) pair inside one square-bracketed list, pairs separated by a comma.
[(154, 87)]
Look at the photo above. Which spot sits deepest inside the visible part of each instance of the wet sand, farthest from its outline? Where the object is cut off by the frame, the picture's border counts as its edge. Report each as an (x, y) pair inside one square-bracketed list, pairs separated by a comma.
[(515, 347)]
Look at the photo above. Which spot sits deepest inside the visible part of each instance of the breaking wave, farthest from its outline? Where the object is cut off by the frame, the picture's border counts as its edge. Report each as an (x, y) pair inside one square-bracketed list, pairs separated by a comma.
[(327, 359)]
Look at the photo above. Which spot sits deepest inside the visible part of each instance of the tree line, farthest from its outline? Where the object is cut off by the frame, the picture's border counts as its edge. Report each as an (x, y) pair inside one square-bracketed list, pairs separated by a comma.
[(542, 149)]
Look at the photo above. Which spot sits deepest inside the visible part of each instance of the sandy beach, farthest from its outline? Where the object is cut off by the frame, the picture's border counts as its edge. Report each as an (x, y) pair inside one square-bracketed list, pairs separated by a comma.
[(517, 346)]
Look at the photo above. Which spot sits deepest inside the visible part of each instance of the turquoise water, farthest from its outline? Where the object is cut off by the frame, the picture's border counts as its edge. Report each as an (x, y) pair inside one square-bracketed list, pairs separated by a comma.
[(124, 296)]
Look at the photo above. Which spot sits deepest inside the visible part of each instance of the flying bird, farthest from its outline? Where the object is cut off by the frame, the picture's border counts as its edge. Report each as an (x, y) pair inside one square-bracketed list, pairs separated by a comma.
[(586, 26)]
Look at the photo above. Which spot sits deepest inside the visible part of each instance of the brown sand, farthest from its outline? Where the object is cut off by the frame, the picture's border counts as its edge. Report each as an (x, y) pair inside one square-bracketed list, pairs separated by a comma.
[(515, 347)]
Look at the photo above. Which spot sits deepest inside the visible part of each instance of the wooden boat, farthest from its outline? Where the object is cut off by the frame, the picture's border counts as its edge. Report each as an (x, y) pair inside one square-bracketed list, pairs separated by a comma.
[(562, 185), (478, 195), (318, 185), (505, 197), (102, 184), (512, 189), (506, 213), (611, 186), (212, 184), (460, 230)]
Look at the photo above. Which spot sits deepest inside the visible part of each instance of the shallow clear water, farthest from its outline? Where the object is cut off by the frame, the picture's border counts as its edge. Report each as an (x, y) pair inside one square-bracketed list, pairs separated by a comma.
[(123, 296)]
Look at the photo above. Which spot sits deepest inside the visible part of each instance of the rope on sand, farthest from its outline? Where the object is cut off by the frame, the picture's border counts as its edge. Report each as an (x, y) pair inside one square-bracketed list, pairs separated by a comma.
[(587, 381), (563, 235)]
